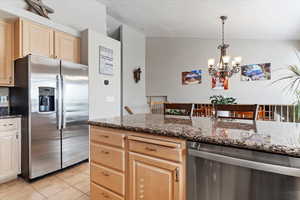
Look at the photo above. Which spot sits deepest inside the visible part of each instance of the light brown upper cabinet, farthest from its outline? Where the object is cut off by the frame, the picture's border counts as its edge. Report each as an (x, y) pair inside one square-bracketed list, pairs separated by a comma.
[(6, 53), (67, 47), (33, 38)]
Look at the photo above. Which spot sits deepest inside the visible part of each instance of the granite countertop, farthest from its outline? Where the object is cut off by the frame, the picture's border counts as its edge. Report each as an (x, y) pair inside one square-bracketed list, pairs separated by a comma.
[(10, 116), (268, 136)]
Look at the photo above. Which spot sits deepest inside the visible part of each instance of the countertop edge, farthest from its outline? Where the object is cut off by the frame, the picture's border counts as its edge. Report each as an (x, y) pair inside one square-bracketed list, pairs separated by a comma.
[(273, 149), (10, 116)]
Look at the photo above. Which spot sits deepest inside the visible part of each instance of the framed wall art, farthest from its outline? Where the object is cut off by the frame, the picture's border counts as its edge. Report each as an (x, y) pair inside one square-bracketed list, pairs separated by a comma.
[(219, 83), (256, 72), (191, 77), (106, 61)]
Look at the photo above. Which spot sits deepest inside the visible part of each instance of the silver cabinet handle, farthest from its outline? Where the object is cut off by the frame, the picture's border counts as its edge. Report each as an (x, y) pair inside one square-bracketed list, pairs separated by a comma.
[(104, 136), (106, 196), (150, 149), (177, 172), (105, 152), (7, 125), (278, 169), (105, 174)]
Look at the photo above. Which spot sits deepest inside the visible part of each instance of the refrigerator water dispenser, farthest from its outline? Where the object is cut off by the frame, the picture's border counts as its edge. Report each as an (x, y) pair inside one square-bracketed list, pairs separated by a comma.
[(46, 99)]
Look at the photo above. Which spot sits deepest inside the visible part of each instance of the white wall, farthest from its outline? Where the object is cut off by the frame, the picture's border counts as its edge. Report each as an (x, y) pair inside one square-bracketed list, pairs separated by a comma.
[(166, 58), (104, 100), (133, 56), (80, 14)]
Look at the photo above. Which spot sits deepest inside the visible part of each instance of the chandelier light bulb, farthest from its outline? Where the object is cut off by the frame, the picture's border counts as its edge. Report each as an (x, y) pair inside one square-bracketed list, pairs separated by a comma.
[(233, 63), (226, 59), (211, 62), (220, 66), (238, 60)]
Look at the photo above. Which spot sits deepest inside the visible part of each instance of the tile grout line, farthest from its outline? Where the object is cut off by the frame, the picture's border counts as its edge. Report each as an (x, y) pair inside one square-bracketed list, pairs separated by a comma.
[(83, 193), (39, 192)]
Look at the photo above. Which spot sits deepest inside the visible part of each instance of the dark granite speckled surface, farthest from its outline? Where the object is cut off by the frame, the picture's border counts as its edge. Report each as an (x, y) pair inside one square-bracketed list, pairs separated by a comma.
[(10, 116), (274, 137)]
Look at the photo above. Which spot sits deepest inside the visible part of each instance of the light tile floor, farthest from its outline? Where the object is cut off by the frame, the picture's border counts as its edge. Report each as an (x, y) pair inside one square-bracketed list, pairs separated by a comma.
[(70, 184)]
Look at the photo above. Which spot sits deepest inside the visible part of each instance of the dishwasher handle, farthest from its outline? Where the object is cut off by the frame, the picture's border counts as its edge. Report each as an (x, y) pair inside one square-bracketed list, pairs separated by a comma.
[(278, 169)]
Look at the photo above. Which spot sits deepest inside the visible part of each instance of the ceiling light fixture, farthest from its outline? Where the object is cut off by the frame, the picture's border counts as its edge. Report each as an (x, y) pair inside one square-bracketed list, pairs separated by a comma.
[(223, 68)]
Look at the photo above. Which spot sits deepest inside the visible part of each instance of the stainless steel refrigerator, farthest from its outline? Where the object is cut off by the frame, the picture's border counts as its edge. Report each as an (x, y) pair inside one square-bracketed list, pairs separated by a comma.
[(52, 96)]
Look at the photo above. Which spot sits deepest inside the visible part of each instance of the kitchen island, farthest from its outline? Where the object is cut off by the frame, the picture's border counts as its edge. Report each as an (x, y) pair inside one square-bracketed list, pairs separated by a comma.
[(147, 151)]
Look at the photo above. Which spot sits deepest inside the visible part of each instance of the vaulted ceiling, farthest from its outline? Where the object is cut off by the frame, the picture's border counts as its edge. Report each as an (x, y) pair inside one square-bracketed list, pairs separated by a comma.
[(248, 19)]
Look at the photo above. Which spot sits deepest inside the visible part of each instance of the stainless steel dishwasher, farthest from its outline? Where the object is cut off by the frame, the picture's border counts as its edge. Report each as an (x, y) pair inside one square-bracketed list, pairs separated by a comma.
[(226, 173)]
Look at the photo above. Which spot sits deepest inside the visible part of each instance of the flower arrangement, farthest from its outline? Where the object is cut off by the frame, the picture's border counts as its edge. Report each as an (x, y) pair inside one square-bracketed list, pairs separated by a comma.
[(219, 99)]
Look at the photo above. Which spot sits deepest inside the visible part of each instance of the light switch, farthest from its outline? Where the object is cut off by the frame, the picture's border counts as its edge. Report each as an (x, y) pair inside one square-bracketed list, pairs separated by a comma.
[(110, 98)]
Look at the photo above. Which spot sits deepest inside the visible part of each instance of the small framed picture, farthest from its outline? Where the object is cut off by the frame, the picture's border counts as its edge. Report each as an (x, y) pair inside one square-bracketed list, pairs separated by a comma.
[(191, 77), (256, 72), (219, 83), (106, 61)]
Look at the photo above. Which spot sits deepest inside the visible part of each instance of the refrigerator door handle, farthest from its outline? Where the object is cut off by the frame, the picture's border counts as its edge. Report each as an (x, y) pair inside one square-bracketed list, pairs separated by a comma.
[(63, 103), (59, 102)]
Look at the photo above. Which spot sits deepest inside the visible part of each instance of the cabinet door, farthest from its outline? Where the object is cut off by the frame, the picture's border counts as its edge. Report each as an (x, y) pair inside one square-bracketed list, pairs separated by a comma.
[(8, 155), (153, 179), (67, 47), (37, 39), (6, 53)]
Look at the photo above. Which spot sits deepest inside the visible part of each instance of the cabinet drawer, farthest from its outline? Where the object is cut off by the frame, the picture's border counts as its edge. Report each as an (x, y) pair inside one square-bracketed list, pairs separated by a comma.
[(156, 150), (108, 178), (8, 125), (99, 193), (108, 156), (107, 136)]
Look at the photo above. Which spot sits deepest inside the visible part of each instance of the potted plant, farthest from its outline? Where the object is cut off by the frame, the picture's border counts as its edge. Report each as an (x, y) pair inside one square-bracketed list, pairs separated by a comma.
[(219, 99), (293, 86)]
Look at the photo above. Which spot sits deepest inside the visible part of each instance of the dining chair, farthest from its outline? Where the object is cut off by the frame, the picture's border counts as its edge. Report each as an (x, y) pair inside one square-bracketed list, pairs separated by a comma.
[(236, 111)]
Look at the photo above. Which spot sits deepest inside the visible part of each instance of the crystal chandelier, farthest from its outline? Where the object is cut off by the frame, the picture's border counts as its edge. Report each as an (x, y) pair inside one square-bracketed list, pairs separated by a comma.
[(223, 68)]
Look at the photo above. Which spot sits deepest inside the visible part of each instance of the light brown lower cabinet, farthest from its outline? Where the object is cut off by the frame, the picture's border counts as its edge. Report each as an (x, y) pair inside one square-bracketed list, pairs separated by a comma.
[(108, 178), (153, 179), (136, 166), (108, 156), (100, 193)]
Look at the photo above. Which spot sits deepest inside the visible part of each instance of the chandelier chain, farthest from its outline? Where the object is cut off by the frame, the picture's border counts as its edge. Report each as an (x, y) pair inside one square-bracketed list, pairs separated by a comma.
[(223, 32)]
